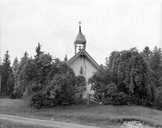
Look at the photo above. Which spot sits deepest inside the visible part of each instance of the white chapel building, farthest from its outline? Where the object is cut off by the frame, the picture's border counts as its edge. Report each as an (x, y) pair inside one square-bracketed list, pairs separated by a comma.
[(82, 63)]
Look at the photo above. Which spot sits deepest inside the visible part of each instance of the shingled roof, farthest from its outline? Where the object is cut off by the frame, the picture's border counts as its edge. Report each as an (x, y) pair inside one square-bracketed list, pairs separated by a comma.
[(85, 54)]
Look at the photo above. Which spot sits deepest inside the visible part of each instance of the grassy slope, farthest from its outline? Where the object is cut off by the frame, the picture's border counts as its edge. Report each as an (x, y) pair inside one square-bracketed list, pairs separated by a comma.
[(98, 115), (7, 124)]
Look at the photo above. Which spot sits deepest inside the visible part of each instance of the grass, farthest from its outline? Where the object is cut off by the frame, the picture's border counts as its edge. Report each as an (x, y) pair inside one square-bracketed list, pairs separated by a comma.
[(97, 115), (7, 124)]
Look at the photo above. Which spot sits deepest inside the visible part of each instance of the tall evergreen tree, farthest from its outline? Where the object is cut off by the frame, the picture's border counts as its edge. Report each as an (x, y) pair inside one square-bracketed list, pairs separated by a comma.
[(7, 76), (15, 66), (147, 53), (20, 83), (156, 64), (38, 51)]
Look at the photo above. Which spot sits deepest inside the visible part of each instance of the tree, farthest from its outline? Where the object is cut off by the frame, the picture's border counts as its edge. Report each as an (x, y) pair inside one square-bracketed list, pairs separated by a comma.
[(146, 53), (156, 64), (129, 72), (99, 82), (112, 65), (20, 82), (7, 76), (80, 87), (38, 50), (60, 88), (43, 67), (15, 66), (32, 72)]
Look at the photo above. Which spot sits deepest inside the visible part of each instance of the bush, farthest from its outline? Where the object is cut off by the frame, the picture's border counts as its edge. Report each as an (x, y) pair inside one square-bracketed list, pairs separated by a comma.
[(99, 82), (113, 96), (80, 88), (118, 98), (40, 100), (60, 91), (158, 98), (63, 88), (36, 100), (17, 93)]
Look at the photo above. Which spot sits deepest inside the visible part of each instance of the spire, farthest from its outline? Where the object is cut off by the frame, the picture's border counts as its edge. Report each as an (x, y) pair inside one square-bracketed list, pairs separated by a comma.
[(80, 30), (80, 41)]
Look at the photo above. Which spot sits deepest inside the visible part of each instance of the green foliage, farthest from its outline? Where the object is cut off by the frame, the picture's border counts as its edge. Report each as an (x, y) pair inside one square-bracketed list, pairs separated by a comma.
[(32, 73), (43, 67), (7, 81), (60, 89), (20, 82), (118, 98), (115, 97), (131, 76), (38, 50), (80, 88), (49, 82), (158, 97), (41, 99), (15, 67), (160, 81), (156, 65), (99, 83)]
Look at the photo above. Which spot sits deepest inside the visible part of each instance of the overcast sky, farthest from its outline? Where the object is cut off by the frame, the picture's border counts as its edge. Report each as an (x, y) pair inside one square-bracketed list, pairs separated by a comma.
[(107, 24)]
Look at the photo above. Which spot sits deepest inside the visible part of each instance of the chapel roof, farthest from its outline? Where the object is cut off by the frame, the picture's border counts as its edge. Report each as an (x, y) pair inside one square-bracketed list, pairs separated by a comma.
[(85, 54)]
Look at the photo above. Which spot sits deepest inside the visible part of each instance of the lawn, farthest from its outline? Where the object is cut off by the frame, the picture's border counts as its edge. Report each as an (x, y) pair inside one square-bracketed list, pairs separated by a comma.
[(97, 115), (7, 124)]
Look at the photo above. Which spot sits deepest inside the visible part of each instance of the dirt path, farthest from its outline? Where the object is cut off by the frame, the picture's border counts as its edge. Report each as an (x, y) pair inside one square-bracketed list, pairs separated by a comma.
[(46, 123)]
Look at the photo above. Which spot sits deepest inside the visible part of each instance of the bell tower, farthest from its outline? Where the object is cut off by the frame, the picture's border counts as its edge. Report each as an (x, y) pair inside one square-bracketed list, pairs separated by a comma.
[(80, 41)]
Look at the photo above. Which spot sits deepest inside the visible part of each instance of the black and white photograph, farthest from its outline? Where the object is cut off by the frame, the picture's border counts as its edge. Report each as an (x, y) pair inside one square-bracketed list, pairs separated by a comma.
[(80, 63)]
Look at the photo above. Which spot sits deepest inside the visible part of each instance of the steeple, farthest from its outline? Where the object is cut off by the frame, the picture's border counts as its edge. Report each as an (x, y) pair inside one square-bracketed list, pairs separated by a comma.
[(80, 41), (80, 30)]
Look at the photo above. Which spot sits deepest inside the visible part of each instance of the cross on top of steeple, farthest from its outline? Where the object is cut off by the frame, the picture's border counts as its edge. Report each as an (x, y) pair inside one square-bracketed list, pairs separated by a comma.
[(80, 31)]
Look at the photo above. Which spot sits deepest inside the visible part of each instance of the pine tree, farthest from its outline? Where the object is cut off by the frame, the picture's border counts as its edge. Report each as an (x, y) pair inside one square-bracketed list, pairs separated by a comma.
[(156, 63), (7, 76), (20, 83), (38, 51), (15, 66)]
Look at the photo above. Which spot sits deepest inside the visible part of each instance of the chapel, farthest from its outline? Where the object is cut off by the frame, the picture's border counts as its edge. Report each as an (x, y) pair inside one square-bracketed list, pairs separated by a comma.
[(82, 63)]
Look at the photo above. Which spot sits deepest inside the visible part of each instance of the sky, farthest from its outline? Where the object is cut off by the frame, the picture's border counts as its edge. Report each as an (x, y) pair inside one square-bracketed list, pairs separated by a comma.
[(108, 25)]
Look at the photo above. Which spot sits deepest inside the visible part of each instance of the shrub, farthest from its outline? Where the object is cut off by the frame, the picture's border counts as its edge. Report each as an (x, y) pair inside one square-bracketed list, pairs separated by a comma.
[(99, 82), (80, 88), (63, 88), (17, 93), (60, 91), (158, 98), (41, 99), (117, 98), (36, 100)]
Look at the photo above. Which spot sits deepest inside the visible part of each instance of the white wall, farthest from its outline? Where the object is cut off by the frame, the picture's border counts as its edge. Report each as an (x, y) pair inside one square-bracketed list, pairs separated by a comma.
[(88, 69)]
